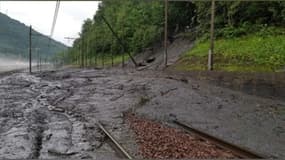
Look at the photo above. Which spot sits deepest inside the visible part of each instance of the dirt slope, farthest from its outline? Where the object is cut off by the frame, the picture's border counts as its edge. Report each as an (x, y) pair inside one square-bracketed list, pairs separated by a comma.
[(153, 58)]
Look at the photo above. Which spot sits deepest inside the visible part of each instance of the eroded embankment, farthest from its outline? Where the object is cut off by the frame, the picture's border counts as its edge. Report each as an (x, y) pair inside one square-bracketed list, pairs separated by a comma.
[(268, 85)]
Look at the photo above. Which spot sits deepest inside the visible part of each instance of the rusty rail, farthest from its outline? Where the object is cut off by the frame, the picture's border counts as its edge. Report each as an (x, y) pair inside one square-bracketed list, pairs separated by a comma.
[(236, 150), (117, 144)]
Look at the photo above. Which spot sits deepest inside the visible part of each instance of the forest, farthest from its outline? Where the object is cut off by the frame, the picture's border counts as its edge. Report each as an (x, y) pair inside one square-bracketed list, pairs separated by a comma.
[(140, 24), (14, 41)]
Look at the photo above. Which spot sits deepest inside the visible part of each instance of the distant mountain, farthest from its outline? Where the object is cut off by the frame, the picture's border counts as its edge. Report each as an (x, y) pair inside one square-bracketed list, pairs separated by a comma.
[(14, 40)]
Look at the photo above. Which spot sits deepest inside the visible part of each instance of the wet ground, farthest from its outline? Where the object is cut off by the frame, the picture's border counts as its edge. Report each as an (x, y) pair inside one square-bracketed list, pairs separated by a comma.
[(267, 85), (53, 114)]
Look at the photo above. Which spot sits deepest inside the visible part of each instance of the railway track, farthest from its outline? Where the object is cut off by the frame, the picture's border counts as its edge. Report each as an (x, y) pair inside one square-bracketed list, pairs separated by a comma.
[(119, 147), (236, 150)]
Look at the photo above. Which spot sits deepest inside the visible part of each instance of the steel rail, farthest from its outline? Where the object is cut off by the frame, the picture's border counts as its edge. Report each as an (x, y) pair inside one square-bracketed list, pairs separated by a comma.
[(236, 150), (118, 145)]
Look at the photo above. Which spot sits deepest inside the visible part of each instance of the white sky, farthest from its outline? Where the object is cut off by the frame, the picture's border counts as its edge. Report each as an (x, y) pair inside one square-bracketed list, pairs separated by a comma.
[(40, 14)]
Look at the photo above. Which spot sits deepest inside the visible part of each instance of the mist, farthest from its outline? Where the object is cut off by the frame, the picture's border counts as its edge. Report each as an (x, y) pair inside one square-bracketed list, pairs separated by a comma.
[(7, 64)]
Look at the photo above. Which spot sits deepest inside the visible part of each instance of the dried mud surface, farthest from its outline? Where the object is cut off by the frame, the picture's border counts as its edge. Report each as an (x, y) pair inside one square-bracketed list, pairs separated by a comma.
[(53, 114)]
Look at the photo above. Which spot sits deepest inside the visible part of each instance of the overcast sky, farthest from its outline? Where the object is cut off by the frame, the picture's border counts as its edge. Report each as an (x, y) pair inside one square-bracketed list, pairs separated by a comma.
[(40, 14)]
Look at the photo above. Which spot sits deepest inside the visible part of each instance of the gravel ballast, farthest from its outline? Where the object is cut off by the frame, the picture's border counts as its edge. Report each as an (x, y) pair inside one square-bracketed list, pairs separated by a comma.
[(159, 141)]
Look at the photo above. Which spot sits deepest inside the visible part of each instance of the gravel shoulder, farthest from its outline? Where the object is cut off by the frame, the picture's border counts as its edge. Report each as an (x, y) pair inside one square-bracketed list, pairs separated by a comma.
[(53, 114)]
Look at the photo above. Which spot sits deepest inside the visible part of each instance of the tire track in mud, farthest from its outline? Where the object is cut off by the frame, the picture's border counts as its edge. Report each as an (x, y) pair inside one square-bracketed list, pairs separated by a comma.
[(36, 128), (15, 136), (59, 129), (56, 139), (93, 101), (40, 127), (68, 133)]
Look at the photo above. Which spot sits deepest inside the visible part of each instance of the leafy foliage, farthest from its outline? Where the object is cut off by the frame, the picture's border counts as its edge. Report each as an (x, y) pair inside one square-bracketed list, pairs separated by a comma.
[(139, 24), (244, 15)]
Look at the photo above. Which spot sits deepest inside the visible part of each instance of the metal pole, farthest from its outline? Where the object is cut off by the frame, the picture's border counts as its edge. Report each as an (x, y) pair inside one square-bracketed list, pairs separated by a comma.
[(89, 53), (119, 40), (77, 57), (38, 59), (30, 50), (112, 58), (96, 58), (123, 59), (40, 64), (112, 54), (82, 57), (211, 51), (86, 53), (103, 58), (165, 33)]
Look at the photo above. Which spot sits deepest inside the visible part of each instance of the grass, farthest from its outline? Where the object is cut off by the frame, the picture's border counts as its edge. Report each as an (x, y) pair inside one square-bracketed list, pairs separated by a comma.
[(117, 60), (251, 53)]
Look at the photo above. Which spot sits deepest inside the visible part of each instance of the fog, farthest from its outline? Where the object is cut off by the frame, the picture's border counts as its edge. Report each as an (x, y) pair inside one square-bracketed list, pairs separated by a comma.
[(7, 64)]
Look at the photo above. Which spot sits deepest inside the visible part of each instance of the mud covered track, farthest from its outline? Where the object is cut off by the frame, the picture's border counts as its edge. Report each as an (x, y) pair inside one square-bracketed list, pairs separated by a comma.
[(238, 151), (53, 114), (117, 145)]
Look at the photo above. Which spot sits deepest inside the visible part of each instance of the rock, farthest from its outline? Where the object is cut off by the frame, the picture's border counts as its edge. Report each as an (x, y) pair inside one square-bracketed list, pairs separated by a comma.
[(150, 60), (172, 116), (56, 109), (56, 152)]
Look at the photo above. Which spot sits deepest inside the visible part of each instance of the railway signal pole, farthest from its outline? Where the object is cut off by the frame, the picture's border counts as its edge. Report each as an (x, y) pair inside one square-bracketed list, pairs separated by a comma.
[(211, 51)]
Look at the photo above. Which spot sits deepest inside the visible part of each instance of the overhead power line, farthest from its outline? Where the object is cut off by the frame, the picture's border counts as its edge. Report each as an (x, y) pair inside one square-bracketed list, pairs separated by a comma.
[(55, 17), (54, 22)]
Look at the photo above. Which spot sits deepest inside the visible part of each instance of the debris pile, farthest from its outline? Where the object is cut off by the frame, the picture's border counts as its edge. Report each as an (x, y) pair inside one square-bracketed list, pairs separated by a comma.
[(158, 141)]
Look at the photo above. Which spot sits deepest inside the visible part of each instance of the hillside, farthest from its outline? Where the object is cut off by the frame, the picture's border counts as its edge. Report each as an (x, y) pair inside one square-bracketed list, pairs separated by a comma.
[(262, 51), (249, 35), (14, 40)]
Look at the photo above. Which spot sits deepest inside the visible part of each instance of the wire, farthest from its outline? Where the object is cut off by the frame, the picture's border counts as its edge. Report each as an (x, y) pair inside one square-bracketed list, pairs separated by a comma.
[(55, 17), (53, 23)]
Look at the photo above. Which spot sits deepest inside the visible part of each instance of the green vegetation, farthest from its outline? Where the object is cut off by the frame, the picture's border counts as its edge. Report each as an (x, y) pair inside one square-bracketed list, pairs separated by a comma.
[(253, 52), (138, 23), (116, 60), (14, 40), (250, 35)]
